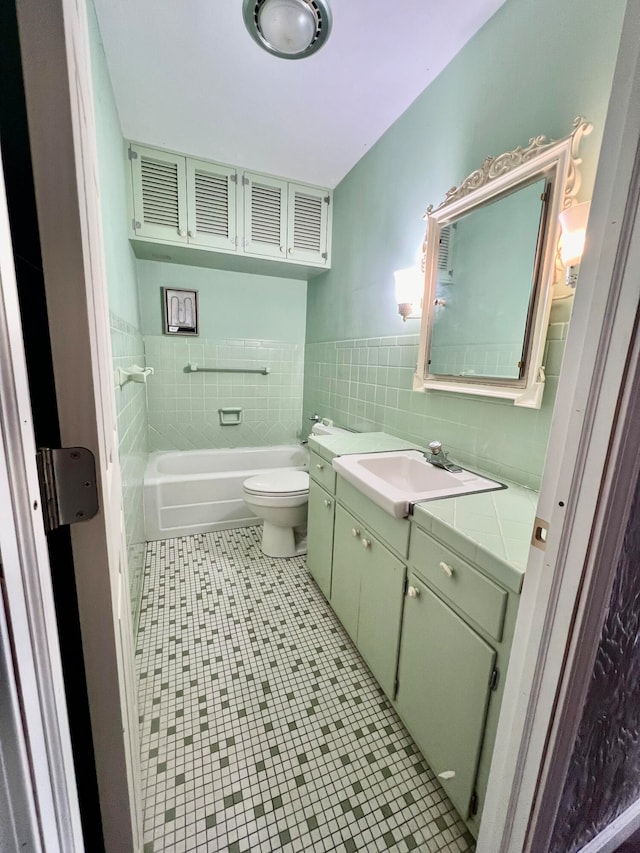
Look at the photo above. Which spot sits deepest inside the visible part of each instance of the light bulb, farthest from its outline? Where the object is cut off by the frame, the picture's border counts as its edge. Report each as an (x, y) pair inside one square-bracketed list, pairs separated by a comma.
[(287, 25), (573, 222)]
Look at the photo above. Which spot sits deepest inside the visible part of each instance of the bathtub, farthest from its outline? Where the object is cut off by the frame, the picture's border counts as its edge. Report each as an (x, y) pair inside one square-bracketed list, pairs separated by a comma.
[(196, 491)]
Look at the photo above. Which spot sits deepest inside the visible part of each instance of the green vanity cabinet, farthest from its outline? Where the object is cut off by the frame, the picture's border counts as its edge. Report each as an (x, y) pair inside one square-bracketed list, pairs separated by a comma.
[(320, 536), (366, 594), (444, 685), (431, 603)]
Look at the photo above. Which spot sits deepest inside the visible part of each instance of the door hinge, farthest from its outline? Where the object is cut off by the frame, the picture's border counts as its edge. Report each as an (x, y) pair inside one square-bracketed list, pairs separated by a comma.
[(325, 256), (233, 179), (495, 677), (245, 181), (135, 224), (133, 155), (473, 805), (68, 486), (327, 199)]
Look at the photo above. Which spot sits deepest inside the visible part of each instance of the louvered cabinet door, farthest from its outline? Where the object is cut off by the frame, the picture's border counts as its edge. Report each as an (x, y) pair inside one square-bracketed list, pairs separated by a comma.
[(265, 216), (211, 191), (159, 194), (307, 227)]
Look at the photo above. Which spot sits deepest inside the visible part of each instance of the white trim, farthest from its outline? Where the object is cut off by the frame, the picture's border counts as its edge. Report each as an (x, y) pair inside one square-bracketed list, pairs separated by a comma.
[(54, 809), (587, 400), (616, 833), (60, 109), (558, 163)]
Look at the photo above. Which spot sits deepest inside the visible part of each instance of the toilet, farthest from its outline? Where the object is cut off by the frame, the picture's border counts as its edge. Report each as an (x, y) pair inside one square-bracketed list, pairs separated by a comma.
[(280, 499)]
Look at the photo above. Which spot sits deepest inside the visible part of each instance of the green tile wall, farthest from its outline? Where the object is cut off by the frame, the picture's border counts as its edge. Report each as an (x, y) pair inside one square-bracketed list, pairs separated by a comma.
[(183, 407), (131, 409), (365, 384), (122, 286)]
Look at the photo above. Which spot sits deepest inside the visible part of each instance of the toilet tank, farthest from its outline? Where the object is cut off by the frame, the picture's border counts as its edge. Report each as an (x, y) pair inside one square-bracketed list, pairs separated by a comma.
[(321, 428)]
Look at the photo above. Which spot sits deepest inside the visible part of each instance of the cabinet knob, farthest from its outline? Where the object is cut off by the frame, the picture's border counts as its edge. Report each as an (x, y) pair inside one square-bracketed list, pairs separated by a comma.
[(413, 592), (327, 503), (355, 532), (291, 251), (182, 232), (191, 233), (366, 543), (320, 467), (447, 570), (282, 248)]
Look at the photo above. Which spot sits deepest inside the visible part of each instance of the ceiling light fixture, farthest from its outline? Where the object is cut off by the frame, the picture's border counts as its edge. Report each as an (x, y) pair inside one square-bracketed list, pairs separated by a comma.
[(290, 29)]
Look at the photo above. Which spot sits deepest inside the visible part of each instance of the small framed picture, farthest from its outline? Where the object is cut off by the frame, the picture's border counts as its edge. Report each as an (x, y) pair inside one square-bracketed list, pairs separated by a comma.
[(180, 311)]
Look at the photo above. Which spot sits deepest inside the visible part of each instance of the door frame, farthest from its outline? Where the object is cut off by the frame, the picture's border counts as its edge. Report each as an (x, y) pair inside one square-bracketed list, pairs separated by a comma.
[(54, 45), (588, 395), (43, 795), (564, 595)]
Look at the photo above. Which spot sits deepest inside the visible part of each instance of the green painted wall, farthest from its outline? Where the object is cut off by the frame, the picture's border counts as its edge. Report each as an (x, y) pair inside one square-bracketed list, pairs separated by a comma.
[(232, 304), (122, 286), (120, 260), (531, 69)]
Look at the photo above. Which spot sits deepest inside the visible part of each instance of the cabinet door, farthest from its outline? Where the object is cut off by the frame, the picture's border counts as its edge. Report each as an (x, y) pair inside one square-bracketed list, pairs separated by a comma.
[(349, 558), (444, 686), (265, 216), (211, 196), (320, 536), (307, 224), (380, 614), (159, 187)]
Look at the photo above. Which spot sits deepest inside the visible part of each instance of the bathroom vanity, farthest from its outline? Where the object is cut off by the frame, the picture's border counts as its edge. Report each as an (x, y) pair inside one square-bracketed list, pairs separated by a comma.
[(429, 600)]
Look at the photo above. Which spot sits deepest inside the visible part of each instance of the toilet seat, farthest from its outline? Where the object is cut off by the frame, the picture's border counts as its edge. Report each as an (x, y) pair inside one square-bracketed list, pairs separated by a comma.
[(278, 484)]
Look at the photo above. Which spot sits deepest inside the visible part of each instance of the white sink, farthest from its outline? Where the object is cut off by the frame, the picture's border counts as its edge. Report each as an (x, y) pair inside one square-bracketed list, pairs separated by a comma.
[(398, 479)]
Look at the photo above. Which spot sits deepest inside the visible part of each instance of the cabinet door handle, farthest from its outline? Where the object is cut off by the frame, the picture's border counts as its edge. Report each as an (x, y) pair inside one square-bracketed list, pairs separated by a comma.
[(182, 232), (366, 543), (327, 503), (355, 532), (413, 592), (446, 569), (191, 233), (291, 251), (320, 467), (447, 774)]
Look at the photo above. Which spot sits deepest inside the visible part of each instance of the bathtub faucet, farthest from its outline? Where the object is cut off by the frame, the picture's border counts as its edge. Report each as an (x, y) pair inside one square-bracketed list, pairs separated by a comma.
[(438, 457)]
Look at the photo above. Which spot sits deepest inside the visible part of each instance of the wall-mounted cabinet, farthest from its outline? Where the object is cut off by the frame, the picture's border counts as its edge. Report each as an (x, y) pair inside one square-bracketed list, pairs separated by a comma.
[(181, 201)]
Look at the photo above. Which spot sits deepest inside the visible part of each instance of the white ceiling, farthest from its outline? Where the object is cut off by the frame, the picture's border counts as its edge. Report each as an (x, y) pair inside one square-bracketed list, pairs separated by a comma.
[(187, 76)]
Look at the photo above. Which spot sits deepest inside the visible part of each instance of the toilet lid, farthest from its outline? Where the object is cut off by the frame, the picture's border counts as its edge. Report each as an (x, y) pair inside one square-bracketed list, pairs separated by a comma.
[(278, 483)]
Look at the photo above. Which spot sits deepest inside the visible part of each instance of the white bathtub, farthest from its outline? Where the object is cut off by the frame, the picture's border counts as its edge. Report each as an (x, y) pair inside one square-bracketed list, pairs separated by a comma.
[(195, 491)]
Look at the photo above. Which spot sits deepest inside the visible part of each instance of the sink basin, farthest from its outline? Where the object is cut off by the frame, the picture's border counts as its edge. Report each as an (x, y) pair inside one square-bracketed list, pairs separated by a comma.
[(396, 480)]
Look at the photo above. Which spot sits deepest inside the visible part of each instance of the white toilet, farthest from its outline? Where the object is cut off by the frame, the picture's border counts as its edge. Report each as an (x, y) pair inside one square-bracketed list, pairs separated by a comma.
[(280, 498)]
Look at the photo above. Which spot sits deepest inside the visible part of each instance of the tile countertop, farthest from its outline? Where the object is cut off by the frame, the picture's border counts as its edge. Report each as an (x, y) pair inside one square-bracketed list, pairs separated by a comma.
[(491, 529), (343, 443)]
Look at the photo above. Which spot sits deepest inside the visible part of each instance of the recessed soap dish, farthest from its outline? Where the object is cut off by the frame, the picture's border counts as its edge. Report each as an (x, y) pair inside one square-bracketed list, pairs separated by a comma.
[(230, 416)]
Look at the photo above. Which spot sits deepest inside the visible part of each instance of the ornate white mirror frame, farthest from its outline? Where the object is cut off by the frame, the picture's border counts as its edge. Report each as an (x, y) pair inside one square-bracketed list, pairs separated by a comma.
[(558, 164)]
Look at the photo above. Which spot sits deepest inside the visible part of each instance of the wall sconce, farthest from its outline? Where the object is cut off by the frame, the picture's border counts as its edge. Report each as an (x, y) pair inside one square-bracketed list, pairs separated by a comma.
[(573, 222), (409, 285)]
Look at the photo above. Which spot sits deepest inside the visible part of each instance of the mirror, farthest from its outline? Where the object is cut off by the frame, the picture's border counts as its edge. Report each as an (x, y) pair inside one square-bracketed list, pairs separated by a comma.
[(490, 263)]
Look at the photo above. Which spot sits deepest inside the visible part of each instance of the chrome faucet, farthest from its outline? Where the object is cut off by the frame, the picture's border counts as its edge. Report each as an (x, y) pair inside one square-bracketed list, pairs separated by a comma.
[(438, 457)]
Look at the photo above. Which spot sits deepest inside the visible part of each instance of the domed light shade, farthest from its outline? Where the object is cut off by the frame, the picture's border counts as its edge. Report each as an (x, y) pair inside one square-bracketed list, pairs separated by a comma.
[(291, 29)]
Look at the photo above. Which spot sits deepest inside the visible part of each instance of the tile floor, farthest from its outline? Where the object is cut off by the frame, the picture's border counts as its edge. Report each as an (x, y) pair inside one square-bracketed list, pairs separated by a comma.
[(261, 727)]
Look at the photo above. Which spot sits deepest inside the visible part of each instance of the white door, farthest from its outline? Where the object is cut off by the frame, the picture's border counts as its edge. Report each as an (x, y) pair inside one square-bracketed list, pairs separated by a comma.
[(57, 74), (38, 798)]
